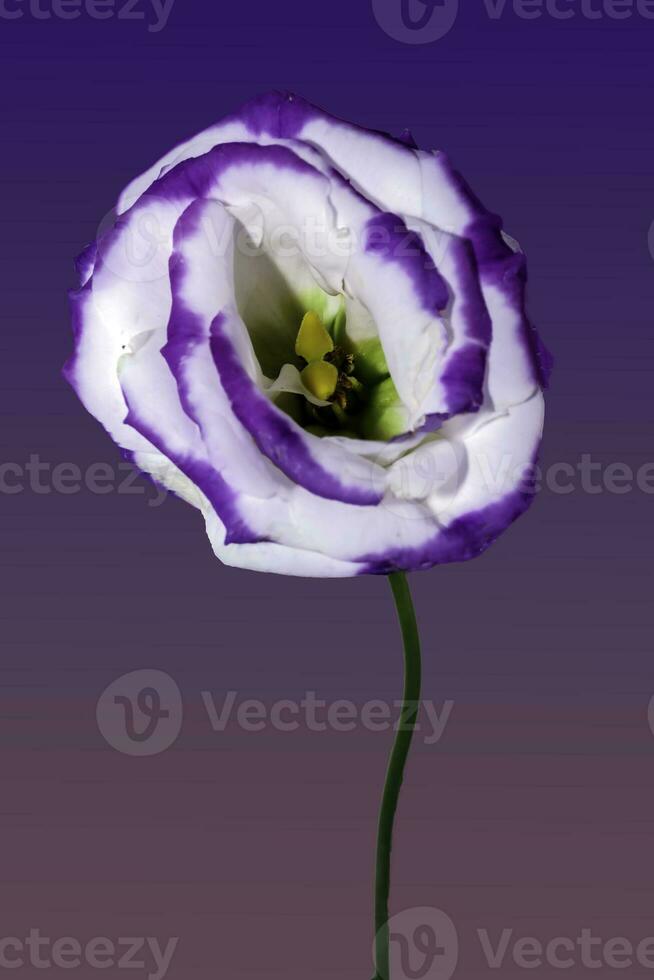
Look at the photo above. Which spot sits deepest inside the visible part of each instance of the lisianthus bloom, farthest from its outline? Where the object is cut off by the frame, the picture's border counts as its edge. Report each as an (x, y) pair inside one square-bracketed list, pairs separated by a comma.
[(315, 334)]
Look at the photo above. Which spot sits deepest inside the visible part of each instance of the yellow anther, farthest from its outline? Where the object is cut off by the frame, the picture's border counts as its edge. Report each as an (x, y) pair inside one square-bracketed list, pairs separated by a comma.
[(320, 378), (313, 341)]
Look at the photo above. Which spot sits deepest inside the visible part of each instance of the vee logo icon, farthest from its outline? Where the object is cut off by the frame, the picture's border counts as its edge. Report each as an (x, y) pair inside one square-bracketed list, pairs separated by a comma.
[(424, 945), (416, 21), (141, 713)]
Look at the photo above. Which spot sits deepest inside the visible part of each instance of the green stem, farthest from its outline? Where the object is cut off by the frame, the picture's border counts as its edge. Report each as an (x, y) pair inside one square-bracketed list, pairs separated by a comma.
[(410, 708)]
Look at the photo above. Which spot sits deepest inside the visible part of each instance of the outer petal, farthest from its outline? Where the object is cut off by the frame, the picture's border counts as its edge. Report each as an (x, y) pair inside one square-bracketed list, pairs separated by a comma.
[(279, 558), (518, 362), (154, 411), (129, 294), (496, 488), (279, 116)]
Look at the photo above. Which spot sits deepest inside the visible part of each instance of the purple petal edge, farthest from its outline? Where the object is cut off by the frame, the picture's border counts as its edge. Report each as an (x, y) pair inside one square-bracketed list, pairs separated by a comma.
[(463, 379), (222, 497), (388, 237), (500, 264), (284, 114), (466, 538), (85, 262), (273, 433)]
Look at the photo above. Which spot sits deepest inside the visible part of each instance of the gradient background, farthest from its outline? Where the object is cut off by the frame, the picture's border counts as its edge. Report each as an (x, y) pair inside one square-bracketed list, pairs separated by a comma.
[(535, 812)]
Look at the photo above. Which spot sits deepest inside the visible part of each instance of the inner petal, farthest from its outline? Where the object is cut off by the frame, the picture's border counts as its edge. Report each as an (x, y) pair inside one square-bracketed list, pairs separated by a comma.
[(275, 287), (319, 351)]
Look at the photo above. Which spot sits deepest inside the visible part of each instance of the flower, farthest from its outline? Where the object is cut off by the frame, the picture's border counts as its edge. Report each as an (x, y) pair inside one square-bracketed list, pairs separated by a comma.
[(316, 335)]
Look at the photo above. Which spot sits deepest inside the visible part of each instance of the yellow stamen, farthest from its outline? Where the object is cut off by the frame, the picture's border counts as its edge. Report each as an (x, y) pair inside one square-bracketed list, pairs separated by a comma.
[(313, 341), (320, 378)]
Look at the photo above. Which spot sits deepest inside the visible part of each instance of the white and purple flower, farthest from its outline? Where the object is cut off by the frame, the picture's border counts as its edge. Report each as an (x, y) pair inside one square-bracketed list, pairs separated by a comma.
[(316, 335)]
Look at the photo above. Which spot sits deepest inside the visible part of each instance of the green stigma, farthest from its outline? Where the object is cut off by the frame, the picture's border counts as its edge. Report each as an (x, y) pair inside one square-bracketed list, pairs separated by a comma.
[(320, 378), (313, 341), (352, 381)]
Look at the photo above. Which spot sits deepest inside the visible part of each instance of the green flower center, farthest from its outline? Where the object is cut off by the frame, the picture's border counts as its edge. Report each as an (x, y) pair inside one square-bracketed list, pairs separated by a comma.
[(329, 375), (348, 390)]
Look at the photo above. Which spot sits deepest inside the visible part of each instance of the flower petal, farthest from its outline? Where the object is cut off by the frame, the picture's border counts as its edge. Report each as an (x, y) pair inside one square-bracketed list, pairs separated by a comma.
[(474, 500), (282, 116), (278, 558), (311, 462), (517, 360), (199, 292)]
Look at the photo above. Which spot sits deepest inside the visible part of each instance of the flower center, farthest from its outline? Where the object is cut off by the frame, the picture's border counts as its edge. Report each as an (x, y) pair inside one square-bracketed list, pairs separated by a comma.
[(329, 374), (320, 355), (344, 390)]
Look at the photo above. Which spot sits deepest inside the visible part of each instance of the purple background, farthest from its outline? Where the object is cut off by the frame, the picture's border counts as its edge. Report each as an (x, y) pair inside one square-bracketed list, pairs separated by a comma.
[(536, 810)]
